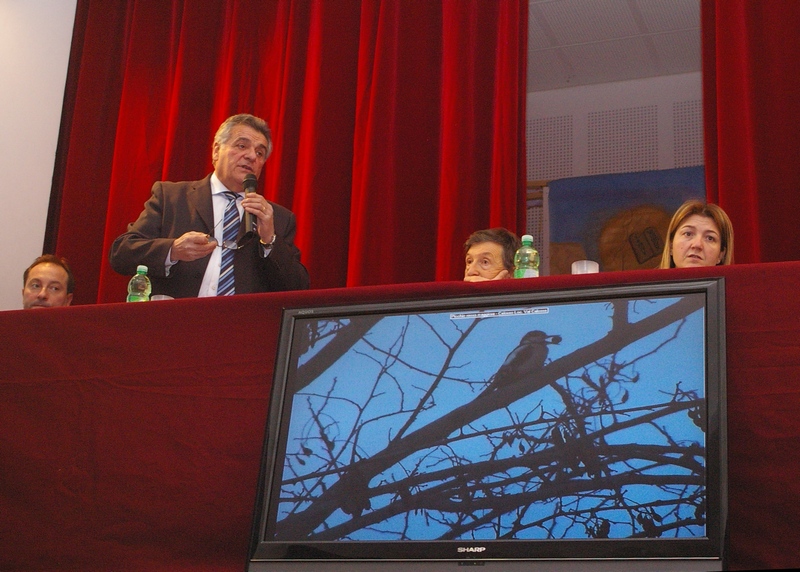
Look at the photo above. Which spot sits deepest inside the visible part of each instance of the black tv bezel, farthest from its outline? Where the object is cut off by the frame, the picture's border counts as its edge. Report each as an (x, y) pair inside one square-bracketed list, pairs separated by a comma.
[(708, 548)]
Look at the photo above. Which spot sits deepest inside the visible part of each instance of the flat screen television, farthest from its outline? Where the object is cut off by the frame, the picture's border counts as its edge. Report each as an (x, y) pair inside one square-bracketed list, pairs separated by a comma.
[(552, 430)]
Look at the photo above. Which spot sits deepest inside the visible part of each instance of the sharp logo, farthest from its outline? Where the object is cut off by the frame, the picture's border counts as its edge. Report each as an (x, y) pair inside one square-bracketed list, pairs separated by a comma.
[(472, 549)]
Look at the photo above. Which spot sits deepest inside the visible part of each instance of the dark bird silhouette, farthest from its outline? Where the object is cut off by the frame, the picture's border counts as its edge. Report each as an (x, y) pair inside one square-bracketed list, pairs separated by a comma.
[(357, 499), (527, 358)]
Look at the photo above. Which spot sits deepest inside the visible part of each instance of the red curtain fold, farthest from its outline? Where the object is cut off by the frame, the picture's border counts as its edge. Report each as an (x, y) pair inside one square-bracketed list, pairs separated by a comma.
[(398, 130), (396, 149), (751, 81), (322, 134), (476, 161), (85, 153)]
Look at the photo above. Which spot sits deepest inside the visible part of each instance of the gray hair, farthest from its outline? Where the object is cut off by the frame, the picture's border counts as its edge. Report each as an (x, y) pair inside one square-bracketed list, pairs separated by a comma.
[(224, 131)]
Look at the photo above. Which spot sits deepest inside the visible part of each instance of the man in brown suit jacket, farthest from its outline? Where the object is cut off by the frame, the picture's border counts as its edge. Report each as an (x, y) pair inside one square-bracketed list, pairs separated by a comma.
[(178, 235)]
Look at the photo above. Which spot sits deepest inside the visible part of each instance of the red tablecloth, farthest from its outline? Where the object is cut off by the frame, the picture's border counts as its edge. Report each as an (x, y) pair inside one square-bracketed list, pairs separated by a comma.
[(131, 434)]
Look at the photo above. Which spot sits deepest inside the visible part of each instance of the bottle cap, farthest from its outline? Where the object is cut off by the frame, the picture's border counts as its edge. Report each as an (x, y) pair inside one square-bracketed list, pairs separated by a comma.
[(141, 269), (526, 238)]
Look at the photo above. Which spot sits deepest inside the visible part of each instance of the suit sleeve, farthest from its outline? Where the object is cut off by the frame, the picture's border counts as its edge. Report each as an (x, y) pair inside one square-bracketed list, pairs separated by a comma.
[(144, 243), (282, 269)]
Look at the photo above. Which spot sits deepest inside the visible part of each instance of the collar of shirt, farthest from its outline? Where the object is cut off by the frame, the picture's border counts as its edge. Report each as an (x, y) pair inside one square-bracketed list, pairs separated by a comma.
[(219, 200)]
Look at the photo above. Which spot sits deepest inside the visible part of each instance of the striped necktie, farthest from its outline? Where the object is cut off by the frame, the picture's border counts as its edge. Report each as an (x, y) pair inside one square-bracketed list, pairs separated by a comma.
[(230, 230)]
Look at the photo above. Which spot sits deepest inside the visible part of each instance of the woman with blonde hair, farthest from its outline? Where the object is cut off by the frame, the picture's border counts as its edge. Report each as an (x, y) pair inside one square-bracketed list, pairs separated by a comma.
[(699, 234)]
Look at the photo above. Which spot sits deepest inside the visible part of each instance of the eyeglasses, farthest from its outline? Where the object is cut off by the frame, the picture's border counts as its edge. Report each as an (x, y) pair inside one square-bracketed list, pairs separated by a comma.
[(232, 244)]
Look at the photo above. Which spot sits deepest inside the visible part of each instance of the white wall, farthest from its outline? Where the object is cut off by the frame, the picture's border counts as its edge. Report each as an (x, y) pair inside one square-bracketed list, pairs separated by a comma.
[(637, 125), (35, 38)]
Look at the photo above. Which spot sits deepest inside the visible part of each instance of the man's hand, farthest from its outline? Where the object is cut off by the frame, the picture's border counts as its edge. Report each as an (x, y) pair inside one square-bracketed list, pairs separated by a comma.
[(260, 207), (191, 246)]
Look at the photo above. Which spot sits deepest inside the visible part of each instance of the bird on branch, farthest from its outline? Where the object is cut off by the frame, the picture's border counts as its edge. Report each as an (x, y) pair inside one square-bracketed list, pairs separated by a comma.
[(524, 360)]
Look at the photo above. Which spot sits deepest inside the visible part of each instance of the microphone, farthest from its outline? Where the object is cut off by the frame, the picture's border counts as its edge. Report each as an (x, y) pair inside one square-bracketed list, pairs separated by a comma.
[(250, 184)]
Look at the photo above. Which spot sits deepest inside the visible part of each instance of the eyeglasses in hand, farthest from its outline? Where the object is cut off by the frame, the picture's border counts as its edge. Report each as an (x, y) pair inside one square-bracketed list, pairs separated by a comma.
[(232, 244)]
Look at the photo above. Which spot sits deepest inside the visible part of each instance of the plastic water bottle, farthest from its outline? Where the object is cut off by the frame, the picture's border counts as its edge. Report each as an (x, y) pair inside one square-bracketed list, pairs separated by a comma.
[(526, 260), (139, 286)]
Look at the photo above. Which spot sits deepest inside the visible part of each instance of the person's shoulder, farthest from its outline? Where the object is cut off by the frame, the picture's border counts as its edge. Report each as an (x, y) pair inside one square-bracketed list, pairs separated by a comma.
[(172, 190), (175, 186)]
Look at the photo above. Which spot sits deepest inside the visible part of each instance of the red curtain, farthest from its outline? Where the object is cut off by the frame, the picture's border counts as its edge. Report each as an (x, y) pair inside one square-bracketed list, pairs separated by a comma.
[(751, 94), (398, 128)]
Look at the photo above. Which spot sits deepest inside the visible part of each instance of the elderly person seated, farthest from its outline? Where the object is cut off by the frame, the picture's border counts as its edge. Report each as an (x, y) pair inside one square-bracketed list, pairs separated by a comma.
[(489, 255), (699, 234)]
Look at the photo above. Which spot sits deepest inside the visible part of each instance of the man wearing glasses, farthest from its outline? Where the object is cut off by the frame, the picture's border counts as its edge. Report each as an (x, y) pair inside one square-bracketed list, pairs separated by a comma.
[(181, 234)]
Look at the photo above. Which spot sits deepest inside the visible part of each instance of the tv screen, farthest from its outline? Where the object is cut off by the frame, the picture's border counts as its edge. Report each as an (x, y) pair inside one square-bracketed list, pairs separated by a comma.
[(579, 428)]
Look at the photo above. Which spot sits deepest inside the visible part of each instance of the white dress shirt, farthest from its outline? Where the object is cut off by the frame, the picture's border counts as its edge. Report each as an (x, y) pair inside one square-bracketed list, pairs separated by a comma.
[(208, 287)]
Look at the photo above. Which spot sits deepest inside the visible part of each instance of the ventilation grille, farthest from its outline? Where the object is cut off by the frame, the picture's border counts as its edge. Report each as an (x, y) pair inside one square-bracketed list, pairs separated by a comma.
[(549, 148), (687, 121), (623, 140)]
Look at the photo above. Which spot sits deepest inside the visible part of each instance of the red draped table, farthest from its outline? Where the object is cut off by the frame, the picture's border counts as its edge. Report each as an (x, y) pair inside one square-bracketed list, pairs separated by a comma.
[(131, 434)]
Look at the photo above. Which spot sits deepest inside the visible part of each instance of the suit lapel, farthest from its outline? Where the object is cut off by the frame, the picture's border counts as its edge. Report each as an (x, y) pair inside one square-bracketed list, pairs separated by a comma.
[(199, 198)]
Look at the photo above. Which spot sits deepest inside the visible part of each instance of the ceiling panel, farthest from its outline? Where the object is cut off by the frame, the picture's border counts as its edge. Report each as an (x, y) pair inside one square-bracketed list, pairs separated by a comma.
[(679, 52), (547, 71), (581, 21), (623, 59), (581, 42), (669, 15)]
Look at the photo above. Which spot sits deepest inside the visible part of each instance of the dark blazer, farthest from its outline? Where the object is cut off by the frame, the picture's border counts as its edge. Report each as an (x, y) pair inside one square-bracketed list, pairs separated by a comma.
[(176, 208)]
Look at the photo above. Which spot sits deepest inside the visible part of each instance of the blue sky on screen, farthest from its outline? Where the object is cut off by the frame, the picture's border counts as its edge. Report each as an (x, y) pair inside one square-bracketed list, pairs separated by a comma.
[(374, 385)]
